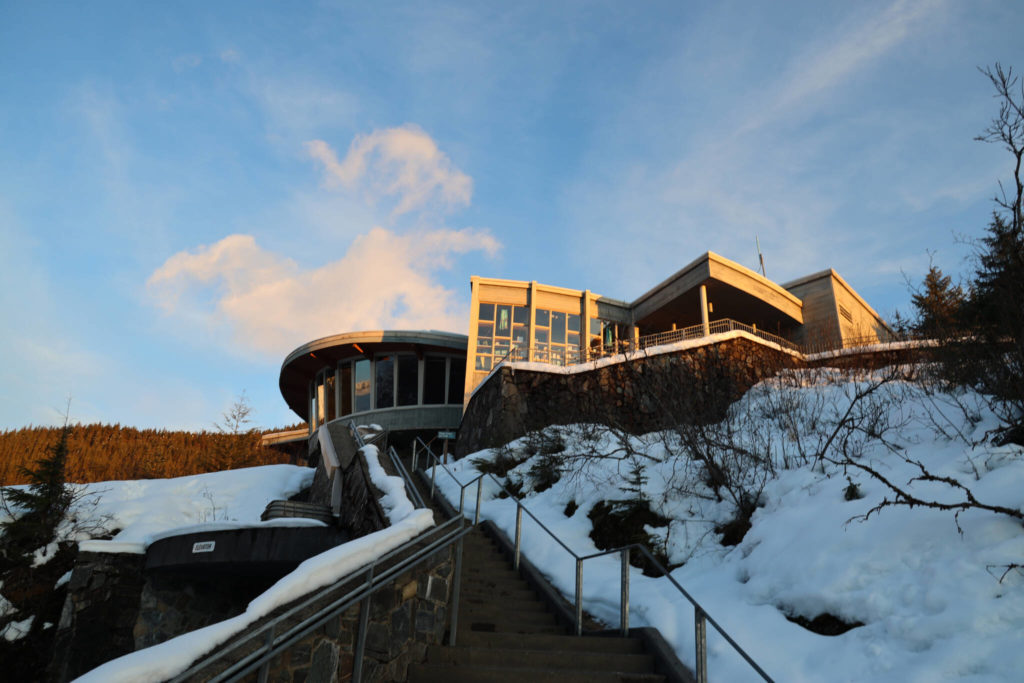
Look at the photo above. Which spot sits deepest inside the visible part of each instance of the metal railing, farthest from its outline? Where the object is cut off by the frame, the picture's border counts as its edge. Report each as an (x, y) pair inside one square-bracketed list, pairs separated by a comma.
[(396, 462), (714, 327), (259, 645), (571, 355), (701, 617)]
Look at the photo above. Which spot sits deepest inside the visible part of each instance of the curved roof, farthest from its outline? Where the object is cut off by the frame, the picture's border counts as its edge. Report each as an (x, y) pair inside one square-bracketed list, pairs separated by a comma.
[(302, 364)]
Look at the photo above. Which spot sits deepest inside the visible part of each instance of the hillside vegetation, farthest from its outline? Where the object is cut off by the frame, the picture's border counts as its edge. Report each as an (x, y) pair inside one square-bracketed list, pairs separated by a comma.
[(100, 452)]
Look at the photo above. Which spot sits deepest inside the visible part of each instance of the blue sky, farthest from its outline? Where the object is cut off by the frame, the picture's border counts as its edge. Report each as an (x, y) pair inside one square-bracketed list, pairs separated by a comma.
[(190, 190)]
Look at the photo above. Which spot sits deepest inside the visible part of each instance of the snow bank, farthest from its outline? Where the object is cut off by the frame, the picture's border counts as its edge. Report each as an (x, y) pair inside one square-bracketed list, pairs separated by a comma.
[(931, 600)]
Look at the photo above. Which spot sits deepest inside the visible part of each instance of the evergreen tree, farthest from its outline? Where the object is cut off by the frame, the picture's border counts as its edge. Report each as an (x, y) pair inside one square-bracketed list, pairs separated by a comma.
[(990, 357), (42, 506), (937, 305)]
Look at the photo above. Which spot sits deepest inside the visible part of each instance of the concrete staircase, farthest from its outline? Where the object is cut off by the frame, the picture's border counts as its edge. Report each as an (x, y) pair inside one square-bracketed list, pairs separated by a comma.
[(507, 633)]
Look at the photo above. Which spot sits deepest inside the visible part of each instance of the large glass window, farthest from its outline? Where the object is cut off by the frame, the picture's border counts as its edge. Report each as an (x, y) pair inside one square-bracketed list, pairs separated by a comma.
[(408, 380), (320, 406), (345, 387), (330, 395), (556, 337), (456, 380), (434, 376), (501, 333), (384, 381), (362, 385)]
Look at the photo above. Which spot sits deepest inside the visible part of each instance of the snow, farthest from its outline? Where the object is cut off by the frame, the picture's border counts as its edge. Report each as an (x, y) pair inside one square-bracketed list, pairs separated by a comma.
[(930, 598), (395, 502), (16, 630), (174, 656)]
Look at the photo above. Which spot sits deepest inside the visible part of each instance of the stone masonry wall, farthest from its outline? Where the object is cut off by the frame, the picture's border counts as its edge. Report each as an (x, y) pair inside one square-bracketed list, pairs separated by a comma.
[(361, 512), (170, 604), (630, 395), (99, 613), (405, 617)]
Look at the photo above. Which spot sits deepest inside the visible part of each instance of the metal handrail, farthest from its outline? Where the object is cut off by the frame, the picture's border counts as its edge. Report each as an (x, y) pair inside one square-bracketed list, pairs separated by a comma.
[(701, 616), (410, 486), (451, 531)]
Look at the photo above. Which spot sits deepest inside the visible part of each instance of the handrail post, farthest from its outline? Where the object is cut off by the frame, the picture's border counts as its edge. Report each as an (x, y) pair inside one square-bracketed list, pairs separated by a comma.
[(433, 476), (455, 593), (264, 673), (415, 455), (357, 656), (624, 594), (579, 597), (519, 535), (462, 499), (700, 636), (479, 496)]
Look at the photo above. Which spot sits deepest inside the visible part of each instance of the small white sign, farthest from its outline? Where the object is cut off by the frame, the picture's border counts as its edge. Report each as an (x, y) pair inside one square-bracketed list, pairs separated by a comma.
[(446, 435), (203, 547)]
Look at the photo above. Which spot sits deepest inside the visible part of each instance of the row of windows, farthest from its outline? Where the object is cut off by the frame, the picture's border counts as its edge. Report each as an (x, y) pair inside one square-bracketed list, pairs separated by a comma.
[(386, 381), (503, 331)]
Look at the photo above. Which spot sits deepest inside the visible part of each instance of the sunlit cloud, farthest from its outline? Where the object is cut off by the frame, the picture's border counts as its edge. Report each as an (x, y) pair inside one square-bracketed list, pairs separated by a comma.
[(403, 164), (267, 304)]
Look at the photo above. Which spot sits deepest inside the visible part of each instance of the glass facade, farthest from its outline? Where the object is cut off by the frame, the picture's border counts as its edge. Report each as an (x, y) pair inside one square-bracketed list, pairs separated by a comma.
[(502, 332), (387, 381)]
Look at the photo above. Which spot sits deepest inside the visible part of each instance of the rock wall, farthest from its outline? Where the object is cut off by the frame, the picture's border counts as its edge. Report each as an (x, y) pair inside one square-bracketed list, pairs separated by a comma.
[(99, 613), (406, 617), (639, 395), (170, 604)]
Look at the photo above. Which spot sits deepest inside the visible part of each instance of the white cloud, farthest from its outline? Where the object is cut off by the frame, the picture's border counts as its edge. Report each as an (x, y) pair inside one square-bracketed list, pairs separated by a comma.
[(269, 304), (401, 163), (827, 64)]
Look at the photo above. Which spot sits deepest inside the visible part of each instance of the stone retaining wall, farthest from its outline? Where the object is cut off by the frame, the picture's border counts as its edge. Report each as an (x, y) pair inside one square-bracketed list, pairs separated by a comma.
[(633, 395), (99, 613), (405, 618), (645, 393)]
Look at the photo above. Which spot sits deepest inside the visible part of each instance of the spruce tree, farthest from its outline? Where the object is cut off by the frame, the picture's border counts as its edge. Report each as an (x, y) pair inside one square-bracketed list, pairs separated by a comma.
[(42, 506)]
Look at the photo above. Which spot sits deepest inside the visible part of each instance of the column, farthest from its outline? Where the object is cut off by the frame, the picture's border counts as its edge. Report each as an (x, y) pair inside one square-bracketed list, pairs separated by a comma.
[(704, 309)]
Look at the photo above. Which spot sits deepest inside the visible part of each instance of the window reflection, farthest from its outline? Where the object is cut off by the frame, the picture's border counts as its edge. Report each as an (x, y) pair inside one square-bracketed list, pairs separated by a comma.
[(362, 385), (384, 381)]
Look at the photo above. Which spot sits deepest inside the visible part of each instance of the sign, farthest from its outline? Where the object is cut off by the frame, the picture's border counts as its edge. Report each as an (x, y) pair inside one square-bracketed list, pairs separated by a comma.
[(446, 435), (203, 547)]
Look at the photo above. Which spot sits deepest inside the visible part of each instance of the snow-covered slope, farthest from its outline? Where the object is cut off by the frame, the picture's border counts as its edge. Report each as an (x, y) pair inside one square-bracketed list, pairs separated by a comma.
[(935, 604)]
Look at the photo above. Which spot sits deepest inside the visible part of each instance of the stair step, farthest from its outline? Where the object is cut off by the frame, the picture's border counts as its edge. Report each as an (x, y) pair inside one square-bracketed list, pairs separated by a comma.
[(545, 659), (467, 626), (506, 593), (446, 673), (497, 615), (561, 642)]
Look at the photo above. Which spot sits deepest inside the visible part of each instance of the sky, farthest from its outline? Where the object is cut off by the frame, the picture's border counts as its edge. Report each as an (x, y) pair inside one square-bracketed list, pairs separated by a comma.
[(190, 190)]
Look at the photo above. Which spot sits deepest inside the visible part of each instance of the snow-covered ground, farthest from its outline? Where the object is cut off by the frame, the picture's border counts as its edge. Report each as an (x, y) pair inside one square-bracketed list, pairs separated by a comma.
[(930, 598), (237, 491), (145, 511)]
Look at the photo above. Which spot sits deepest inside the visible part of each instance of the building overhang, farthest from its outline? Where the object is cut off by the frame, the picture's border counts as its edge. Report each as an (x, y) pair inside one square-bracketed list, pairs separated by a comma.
[(733, 291), (301, 365)]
